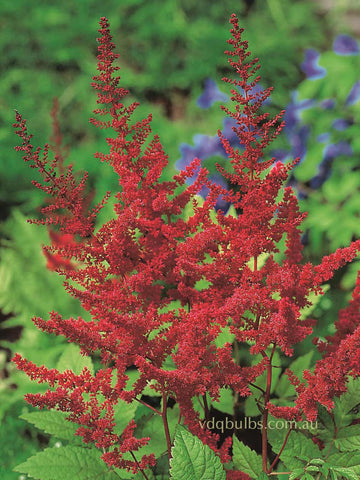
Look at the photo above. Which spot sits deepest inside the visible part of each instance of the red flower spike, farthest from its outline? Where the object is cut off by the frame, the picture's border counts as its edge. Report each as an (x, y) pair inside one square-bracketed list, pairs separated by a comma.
[(158, 286)]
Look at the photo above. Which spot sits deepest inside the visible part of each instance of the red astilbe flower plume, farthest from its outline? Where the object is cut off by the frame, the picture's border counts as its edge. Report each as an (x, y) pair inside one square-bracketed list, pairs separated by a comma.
[(125, 275), (340, 359), (160, 287), (261, 303)]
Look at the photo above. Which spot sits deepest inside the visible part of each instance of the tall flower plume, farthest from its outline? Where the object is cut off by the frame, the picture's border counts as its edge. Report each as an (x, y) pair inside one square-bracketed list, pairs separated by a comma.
[(161, 287)]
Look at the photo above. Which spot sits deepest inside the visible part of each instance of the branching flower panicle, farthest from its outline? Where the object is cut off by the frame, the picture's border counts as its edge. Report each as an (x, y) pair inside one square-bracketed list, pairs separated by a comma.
[(161, 287)]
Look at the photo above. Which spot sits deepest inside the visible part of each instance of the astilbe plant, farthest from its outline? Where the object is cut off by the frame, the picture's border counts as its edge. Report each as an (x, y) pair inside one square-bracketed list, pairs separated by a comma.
[(162, 287)]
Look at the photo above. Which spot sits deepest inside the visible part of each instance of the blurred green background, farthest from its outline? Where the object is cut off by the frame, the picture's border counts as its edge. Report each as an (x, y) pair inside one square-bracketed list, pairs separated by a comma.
[(167, 50)]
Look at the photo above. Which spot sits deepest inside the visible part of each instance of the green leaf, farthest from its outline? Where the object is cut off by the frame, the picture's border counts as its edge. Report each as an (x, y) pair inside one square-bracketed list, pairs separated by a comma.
[(225, 336), (346, 472), (67, 462), (351, 399), (246, 459), (348, 438), (327, 422), (346, 459), (317, 461), (297, 451), (226, 401), (152, 426), (312, 468), (52, 422), (314, 299), (333, 475), (192, 460), (284, 388), (296, 473), (71, 359), (307, 476), (123, 413)]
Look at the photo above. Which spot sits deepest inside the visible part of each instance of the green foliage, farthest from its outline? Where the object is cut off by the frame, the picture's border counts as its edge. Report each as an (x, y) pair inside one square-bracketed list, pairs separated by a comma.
[(64, 462), (192, 460), (299, 449), (284, 390), (18, 440), (167, 49), (71, 359), (246, 460), (27, 289), (335, 200), (151, 426), (52, 422), (340, 435)]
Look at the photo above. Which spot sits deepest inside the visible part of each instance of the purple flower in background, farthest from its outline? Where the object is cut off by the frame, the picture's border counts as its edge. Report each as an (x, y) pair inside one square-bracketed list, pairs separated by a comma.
[(292, 113), (221, 203), (354, 94), (280, 154), (323, 137), (328, 104), (299, 142), (228, 131), (346, 45), (207, 146), (341, 124), (335, 149), (296, 132), (311, 67), (211, 94), (253, 91), (188, 153), (330, 152)]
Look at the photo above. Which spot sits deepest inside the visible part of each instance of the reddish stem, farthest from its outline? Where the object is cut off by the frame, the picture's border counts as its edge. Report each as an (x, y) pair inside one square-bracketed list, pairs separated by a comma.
[(206, 407), (166, 425), (280, 452), (264, 446), (139, 467), (149, 406)]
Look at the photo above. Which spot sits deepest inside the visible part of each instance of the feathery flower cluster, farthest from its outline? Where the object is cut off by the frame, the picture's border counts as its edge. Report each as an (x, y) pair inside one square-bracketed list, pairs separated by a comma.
[(161, 287)]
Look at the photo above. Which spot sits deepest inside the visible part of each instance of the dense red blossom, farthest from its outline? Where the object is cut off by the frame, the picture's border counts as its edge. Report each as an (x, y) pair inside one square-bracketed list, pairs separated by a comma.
[(161, 287), (236, 475)]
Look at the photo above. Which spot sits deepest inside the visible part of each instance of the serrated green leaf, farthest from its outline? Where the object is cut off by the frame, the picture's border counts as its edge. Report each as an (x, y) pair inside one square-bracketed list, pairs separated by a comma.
[(327, 422), (348, 438), (297, 450), (317, 461), (71, 359), (246, 459), (307, 476), (226, 401), (346, 459), (123, 413), (296, 473), (63, 463), (192, 460), (52, 422), (284, 388), (351, 399), (152, 426), (312, 468), (325, 470), (346, 472)]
